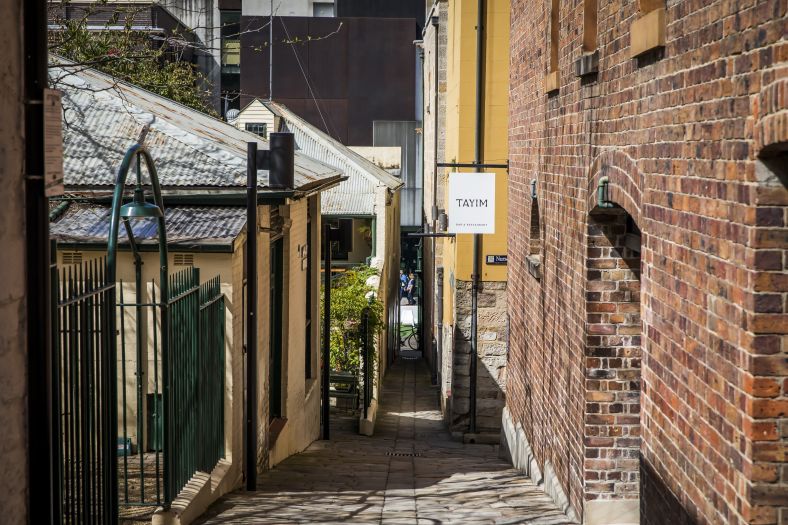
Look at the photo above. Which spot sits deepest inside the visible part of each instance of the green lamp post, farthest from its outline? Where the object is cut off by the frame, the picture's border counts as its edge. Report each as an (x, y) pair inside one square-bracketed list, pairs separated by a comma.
[(138, 209)]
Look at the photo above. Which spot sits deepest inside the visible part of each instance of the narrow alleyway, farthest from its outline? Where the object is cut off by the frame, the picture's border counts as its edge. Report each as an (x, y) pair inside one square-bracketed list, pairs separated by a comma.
[(410, 472)]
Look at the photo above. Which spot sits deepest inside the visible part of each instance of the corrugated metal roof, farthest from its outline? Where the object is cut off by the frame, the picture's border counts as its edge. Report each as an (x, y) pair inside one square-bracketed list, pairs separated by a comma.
[(186, 226), (102, 118), (354, 196)]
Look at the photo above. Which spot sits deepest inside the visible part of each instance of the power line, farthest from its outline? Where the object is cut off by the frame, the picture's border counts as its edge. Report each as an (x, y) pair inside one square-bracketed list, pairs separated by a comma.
[(306, 79)]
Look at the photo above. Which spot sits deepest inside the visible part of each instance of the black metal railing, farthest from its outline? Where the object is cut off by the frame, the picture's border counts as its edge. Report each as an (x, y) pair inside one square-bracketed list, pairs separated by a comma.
[(84, 383), (367, 360)]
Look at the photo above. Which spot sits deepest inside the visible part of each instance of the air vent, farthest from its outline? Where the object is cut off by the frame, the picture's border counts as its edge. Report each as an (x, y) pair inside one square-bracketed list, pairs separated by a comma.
[(404, 454), (72, 257), (183, 259)]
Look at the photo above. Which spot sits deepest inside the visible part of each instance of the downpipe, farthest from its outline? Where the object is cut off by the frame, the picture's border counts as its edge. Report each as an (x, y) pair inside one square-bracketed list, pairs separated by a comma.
[(476, 237)]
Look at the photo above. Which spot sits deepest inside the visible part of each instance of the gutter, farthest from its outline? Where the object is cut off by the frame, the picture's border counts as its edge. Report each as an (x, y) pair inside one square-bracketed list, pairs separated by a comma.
[(208, 197), (176, 247)]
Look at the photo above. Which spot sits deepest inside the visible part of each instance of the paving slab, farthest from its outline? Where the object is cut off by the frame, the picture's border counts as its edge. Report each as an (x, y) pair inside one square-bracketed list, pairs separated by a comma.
[(410, 472)]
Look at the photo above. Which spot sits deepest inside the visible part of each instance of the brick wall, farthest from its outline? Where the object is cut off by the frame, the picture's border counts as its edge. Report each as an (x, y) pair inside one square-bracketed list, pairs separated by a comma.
[(684, 135)]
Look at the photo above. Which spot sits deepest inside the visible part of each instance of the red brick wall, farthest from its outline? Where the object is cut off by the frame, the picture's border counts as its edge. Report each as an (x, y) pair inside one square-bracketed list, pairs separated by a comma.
[(678, 133)]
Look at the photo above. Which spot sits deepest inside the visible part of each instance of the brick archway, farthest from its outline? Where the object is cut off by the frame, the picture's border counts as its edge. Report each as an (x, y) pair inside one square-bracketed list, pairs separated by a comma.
[(771, 125), (613, 351), (624, 181)]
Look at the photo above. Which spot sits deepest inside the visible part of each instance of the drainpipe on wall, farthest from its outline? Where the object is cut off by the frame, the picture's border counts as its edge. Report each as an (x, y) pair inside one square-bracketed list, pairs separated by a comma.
[(476, 237), (373, 230), (435, 23), (250, 467), (43, 484), (439, 364)]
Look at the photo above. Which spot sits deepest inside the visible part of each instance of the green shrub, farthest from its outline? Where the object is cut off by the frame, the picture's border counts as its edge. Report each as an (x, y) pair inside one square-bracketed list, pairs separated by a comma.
[(348, 301)]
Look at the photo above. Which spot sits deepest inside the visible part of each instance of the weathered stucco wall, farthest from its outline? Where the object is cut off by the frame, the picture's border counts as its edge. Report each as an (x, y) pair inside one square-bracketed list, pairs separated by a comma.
[(13, 372), (301, 394)]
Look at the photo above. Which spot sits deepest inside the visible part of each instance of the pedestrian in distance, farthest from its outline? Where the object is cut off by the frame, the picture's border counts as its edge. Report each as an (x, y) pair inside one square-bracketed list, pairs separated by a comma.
[(411, 288)]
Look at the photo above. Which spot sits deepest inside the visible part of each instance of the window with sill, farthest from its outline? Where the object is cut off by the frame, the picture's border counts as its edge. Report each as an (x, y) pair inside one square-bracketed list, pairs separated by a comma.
[(551, 79), (258, 128), (588, 63), (647, 32)]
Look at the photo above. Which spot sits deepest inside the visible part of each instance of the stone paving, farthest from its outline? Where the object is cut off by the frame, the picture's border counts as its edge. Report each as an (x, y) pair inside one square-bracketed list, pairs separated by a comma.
[(409, 472)]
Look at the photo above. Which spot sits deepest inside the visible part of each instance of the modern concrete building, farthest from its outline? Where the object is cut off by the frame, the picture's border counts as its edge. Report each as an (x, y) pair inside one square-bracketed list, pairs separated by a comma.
[(646, 378)]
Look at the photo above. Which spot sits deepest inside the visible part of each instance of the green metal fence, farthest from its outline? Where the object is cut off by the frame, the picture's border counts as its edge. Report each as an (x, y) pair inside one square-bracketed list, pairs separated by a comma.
[(139, 450), (211, 374), (84, 382), (196, 401), (109, 384)]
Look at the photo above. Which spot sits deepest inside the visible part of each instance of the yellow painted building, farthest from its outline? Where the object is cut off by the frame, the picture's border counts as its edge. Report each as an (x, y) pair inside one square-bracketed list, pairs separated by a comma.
[(450, 137)]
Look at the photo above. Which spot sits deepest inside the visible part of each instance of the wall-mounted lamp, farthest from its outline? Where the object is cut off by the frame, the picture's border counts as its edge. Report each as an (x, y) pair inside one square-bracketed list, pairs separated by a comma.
[(533, 188), (443, 221)]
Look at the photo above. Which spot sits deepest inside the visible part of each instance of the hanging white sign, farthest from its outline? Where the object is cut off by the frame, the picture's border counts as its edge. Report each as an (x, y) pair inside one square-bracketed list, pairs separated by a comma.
[(471, 203)]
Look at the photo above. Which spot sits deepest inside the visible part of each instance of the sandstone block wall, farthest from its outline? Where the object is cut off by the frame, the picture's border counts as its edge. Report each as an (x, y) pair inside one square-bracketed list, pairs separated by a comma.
[(492, 337)]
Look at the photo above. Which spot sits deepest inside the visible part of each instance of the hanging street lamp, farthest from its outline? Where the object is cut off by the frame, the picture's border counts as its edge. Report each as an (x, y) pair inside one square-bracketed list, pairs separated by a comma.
[(140, 209)]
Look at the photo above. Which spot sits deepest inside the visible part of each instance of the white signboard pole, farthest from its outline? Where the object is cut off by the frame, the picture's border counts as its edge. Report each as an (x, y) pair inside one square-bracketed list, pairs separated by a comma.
[(471, 203)]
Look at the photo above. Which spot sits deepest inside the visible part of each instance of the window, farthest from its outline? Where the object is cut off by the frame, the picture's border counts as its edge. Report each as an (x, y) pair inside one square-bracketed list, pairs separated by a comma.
[(323, 9), (648, 31), (258, 128), (588, 62), (230, 59), (341, 248), (551, 80), (231, 41), (589, 26)]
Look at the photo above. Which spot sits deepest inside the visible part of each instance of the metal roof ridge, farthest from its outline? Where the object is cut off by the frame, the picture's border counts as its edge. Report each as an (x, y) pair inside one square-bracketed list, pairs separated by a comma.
[(377, 174)]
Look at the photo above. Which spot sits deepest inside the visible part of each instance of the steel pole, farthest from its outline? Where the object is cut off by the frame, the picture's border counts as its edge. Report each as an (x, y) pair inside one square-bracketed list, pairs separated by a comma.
[(476, 237), (43, 491), (251, 316)]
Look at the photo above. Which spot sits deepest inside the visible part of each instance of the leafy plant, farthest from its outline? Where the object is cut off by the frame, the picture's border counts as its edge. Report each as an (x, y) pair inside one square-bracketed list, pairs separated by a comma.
[(349, 292), (152, 62)]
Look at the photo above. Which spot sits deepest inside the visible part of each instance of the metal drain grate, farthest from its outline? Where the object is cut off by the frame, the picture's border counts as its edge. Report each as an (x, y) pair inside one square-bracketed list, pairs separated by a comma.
[(404, 454)]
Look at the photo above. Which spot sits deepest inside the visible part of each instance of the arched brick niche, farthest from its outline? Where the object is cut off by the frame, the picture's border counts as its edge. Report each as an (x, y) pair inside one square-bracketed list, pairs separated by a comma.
[(612, 363), (613, 352), (766, 383)]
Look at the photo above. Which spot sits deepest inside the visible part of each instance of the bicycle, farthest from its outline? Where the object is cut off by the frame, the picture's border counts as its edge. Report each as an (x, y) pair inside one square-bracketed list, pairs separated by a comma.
[(411, 340)]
